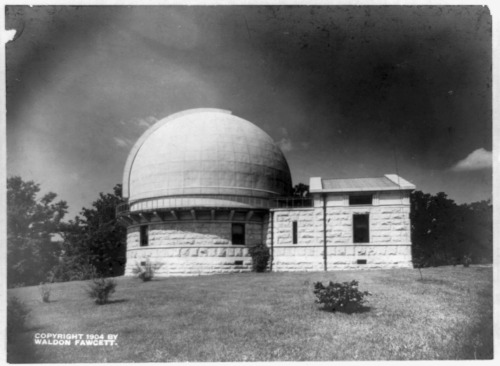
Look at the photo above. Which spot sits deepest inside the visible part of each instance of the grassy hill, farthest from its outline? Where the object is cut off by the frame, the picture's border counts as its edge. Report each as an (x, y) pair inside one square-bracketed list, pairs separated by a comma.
[(267, 317)]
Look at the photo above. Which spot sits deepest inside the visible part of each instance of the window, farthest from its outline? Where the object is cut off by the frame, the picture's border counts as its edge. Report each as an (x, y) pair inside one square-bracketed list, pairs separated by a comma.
[(294, 232), (360, 200), (238, 233), (144, 235), (361, 228)]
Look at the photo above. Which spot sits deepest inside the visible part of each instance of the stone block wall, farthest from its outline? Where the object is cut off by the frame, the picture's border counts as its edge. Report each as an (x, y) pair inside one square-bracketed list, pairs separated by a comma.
[(309, 228), (192, 234), (192, 248), (182, 261), (389, 245), (204, 246), (387, 224)]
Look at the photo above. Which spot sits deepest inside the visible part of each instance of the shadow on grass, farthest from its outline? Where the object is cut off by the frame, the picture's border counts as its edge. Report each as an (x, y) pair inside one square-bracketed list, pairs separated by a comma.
[(360, 310), (49, 301), (117, 301)]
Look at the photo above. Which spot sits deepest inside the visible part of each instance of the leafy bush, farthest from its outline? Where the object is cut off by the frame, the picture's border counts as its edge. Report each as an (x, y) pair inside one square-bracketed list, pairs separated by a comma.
[(17, 312), (147, 271), (100, 289), (467, 260), (260, 257), (343, 296), (44, 290)]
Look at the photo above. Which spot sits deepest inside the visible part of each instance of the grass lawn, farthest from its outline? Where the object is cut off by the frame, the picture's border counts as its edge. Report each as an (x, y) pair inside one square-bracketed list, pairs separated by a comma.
[(268, 317)]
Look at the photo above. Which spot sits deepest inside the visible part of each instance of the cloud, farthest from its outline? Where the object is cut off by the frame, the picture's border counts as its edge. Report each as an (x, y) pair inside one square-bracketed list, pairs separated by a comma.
[(146, 122), (478, 159), (285, 143), (122, 142)]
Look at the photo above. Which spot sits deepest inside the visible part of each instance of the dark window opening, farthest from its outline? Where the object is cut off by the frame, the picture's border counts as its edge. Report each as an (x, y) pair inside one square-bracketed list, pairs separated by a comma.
[(143, 263), (361, 228), (238, 234), (144, 235), (238, 263), (294, 231), (361, 200), (361, 261)]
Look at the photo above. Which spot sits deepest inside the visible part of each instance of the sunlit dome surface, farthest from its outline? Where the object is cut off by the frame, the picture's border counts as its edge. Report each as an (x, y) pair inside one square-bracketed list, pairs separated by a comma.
[(205, 151)]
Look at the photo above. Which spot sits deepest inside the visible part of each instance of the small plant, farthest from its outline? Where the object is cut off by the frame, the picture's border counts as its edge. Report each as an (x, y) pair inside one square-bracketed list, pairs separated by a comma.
[(147, 271), (420, 261), (17, 312), (343, 296), (260, 257), (467, 260), (44, 290), (100, 289)]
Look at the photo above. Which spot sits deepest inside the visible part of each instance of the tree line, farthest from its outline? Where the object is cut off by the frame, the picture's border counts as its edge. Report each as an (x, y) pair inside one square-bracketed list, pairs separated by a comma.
[(41, 247), (444, 233)]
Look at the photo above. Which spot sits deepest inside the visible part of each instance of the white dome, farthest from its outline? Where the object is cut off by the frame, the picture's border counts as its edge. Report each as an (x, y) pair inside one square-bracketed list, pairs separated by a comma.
[(205, 152)]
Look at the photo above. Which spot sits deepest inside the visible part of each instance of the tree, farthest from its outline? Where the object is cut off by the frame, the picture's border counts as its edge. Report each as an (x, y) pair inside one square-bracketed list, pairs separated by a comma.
[(301, 190), (94, 241), (444, 232), (106, 237), (478, 230), (75, 261), (435, 228), (31, 223)]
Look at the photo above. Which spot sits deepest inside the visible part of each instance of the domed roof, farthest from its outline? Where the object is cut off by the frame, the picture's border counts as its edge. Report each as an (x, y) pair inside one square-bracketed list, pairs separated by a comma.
[(205, 152)]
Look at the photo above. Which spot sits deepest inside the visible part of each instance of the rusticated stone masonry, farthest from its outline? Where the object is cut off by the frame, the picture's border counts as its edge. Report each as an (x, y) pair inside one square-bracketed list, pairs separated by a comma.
[(192, 248), (193, 234), (204, 247), (389, 244)]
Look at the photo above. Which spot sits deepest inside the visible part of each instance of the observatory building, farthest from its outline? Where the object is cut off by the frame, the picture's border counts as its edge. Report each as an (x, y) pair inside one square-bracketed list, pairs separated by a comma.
[(203, 186)]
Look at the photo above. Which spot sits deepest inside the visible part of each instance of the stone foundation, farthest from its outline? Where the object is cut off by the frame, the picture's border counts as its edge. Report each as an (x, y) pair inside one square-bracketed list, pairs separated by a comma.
[(310, 258), (191, 261)]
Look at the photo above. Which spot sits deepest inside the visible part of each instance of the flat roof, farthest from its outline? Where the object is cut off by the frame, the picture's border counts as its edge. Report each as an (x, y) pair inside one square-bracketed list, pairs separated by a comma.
[(389, 182)]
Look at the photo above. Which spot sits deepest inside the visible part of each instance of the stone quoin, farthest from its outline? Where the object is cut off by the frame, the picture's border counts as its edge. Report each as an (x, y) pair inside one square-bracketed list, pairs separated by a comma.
[(202, 186)]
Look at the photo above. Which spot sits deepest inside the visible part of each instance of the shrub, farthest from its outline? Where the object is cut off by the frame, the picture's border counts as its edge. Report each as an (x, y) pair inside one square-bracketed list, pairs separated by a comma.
[(17, 312), (467, 260), (44, 290), (260, 257), (343, 296), (100, 289), (147, 271)]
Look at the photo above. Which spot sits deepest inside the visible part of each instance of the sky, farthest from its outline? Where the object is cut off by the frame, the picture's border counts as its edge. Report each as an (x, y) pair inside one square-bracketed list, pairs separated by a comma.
[(346, 91)]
